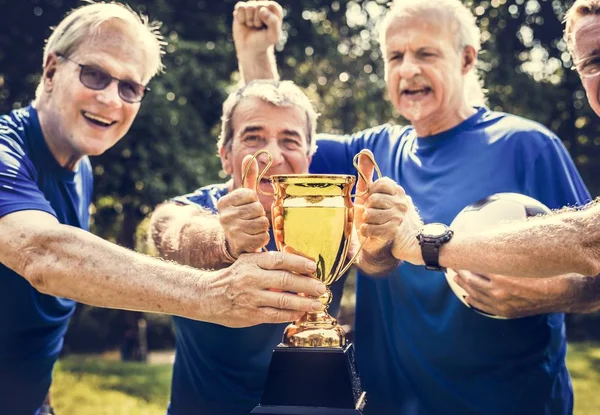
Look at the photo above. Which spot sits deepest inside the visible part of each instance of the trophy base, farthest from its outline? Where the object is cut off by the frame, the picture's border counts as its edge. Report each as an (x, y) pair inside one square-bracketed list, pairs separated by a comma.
[(314, 330), (312, 380)]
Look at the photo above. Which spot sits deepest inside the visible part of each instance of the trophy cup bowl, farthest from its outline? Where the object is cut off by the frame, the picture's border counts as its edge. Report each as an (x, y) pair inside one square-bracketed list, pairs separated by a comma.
[(312, 216)]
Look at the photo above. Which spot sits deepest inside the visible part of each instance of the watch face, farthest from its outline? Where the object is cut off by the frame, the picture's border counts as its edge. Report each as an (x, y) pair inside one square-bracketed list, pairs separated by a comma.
[(434, 230)]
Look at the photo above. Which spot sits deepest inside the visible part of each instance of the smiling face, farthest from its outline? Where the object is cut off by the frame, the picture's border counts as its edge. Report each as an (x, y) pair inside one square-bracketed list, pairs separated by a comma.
[(282, 130), (425, 71), (586, 49), (79, 121)]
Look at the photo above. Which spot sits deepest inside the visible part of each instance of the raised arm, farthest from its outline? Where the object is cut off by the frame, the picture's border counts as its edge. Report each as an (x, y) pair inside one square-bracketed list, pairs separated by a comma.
[(256, 30), (65, 261)]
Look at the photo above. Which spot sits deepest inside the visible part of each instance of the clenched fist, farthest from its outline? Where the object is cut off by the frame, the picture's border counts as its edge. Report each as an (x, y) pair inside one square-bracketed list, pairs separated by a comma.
[(256, 25)]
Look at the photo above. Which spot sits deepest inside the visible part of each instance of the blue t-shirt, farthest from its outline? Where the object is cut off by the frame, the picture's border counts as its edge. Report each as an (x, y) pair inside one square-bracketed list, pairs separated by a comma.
[(220, 370), (32, 324), (419, 349)]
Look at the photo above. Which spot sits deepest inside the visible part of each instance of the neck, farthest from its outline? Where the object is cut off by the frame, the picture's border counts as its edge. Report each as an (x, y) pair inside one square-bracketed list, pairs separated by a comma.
[(437, 123), (63, 153)]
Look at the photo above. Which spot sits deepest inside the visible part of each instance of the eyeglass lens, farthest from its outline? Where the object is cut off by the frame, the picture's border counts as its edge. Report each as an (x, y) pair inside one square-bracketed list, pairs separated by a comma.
[(97, 79)]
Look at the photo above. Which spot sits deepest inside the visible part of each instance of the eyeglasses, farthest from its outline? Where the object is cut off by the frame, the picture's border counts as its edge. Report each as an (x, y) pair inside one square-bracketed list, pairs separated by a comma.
[(588, 67), (97, 79)]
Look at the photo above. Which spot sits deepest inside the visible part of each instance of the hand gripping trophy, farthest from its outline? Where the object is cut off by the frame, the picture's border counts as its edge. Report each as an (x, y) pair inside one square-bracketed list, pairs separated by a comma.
[(312, 371)]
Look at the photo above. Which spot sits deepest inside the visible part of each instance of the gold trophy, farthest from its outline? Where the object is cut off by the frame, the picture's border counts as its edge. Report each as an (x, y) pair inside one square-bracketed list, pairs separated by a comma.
[(312, 216)]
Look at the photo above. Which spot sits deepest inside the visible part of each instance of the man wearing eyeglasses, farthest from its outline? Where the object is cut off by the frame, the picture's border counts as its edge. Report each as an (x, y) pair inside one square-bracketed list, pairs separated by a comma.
[(96, 66)]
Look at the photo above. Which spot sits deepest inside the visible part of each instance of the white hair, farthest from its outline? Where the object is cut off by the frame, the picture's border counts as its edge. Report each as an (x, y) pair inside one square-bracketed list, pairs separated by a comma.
[(579, 9), (85, 22), (278, 93), (459, 15)]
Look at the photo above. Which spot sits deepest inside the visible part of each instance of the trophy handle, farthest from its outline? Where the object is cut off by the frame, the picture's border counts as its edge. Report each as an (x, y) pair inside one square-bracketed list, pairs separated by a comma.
[(360, 173), (262, 173)]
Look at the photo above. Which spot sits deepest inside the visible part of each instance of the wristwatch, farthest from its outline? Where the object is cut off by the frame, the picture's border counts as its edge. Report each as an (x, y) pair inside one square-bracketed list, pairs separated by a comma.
[(431, 237)]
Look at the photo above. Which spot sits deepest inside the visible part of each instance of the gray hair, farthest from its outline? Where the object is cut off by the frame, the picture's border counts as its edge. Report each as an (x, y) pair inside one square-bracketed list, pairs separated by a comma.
[(579, 9), (84, 22), (467, 33), (278, 93)]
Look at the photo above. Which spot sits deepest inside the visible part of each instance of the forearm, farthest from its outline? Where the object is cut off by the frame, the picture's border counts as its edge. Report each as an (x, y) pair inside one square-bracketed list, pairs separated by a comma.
[(553, 245), (379, 263), (68, 262), (581, 294), (189, 236), (257, 66)]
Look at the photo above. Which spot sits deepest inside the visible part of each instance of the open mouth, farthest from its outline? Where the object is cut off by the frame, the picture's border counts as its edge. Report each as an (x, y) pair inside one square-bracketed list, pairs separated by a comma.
[(97, 120), (416, 91)]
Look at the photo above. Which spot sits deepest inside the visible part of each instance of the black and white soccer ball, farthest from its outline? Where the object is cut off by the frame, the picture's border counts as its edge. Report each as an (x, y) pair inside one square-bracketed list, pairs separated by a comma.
[(494, 209)]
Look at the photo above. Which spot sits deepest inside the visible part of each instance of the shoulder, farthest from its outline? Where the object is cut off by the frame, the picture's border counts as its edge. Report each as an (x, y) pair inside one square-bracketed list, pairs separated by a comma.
[(205, 197), (380, 131), (375, 138), (504, 126), (13, 130)]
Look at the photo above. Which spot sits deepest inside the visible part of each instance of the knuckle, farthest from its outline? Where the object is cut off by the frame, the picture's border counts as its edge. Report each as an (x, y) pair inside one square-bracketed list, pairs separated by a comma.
[(279, 260), (283, 301)]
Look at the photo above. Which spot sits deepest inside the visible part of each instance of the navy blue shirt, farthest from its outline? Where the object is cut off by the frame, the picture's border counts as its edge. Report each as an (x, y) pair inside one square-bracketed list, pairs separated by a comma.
[(419, 349), (32, 325), (220, 370)]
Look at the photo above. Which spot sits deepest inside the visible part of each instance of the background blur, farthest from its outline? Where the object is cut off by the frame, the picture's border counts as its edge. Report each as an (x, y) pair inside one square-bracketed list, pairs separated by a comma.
[(330, 49)]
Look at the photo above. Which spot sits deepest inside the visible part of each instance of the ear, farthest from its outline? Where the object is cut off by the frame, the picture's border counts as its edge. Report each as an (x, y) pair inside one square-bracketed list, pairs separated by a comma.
[(48, 76), (469, 59), (225, 155)]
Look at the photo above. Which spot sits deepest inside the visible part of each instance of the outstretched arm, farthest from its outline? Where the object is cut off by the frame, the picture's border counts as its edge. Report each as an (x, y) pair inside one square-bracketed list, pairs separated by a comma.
[(68, 262), (539, 247)]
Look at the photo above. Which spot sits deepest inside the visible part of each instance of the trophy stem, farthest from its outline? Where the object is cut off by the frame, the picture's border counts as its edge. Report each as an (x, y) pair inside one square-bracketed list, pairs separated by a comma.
[(315, 329)]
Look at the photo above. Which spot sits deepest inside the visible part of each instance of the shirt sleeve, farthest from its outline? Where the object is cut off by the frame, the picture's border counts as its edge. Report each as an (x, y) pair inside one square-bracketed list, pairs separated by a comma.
[(335, 153), (18, 187), (553, 179)]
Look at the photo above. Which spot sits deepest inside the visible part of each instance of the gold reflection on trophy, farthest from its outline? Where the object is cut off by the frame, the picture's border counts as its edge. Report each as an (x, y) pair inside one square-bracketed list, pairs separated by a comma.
[(312, 216)]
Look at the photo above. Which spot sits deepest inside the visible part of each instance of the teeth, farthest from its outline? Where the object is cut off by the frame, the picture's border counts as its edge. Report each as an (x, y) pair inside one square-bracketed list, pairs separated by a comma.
[(97, 118)]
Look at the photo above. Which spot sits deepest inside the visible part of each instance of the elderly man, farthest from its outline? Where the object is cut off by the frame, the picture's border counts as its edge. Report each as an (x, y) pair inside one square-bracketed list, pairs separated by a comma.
[(419, 350), (567, 241), (220, 370), (96, 65)]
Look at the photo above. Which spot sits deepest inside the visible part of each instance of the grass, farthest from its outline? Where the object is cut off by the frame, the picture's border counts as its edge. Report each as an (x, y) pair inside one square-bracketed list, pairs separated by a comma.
[(92, 385)]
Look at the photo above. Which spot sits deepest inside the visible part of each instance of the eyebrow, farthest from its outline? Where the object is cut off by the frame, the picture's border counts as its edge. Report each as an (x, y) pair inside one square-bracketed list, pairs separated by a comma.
[(292, 133), (251, 129), (99, 67), (255, 128)]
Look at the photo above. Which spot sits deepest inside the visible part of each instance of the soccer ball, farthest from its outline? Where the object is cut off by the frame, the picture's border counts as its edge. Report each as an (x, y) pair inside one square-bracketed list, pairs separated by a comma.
[(500, 207)]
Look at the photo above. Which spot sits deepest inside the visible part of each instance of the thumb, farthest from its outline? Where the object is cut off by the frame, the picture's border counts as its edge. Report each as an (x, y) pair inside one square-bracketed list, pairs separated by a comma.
[(250, 181), (366, 167)]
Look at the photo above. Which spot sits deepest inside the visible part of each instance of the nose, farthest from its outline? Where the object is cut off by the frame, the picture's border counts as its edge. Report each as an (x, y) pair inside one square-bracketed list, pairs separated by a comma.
[(110, 95), (273, 148), (409, 67)]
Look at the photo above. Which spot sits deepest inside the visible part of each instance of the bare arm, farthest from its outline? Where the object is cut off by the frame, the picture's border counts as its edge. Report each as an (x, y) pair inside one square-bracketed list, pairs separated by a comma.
[(256, 30), (64, 261), (551, 245), (519, 297), (189, 235)]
